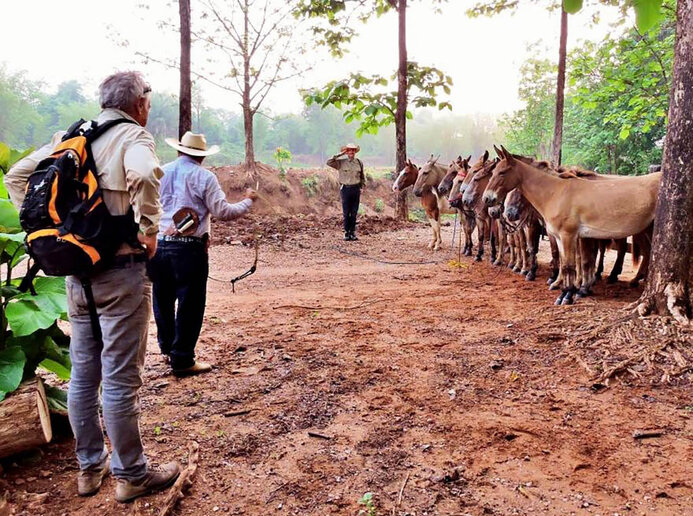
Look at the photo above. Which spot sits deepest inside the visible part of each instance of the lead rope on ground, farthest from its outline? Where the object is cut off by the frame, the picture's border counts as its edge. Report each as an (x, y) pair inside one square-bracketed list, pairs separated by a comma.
[(247, 273)]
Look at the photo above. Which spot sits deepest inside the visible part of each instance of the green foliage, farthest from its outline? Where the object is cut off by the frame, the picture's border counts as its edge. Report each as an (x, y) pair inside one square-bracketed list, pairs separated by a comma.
[(367, 501), (282, 156), (372, 100), (616, 102), (310, 183), (29, 334), (379, 206)]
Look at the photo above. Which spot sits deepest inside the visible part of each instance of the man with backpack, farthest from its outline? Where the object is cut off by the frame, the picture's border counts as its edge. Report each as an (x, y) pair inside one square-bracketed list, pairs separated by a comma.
[(351, 181), (109, 305), (190, 195)]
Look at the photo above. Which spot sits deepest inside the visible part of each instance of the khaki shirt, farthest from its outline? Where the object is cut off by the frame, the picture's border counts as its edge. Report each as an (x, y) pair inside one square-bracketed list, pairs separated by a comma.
[(349, 170), (127, 168)]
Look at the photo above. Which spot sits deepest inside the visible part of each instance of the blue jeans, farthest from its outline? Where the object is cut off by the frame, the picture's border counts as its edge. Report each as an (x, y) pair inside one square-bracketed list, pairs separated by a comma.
[(179, 274), (123, 300)]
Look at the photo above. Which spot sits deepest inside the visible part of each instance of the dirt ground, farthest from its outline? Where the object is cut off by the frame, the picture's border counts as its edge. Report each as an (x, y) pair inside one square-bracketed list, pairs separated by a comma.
[(442, 388)]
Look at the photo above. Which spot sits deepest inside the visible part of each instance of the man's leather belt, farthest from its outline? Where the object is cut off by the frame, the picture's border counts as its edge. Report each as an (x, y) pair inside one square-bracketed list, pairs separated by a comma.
[(181, 239)]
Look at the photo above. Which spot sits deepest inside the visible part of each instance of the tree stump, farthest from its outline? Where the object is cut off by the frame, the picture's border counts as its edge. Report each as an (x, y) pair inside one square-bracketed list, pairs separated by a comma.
[(25, 422)]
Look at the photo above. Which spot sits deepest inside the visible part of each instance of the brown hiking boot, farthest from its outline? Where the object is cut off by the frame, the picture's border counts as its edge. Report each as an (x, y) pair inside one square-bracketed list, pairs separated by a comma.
[(197, 368), (89, 480), (156, 479)]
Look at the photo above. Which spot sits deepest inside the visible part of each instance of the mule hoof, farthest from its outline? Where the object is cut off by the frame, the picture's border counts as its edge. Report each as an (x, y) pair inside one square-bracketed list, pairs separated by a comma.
[(567, 300), (553, 286), (598, 277), (524, 272), (477, 258), (498, 263), (634, 283), (583, 292), (530, 276), (611, 280), (467, 253), (517, 269)]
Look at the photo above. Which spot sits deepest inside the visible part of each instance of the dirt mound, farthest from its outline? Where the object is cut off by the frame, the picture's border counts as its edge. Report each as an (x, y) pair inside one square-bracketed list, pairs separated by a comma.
[(301, 191)]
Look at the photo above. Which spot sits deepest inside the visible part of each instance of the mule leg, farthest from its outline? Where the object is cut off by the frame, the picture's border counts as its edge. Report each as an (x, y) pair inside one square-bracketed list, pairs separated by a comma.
[(533, 236), (618, 264), (555, 264), (521, 250), (502, 236), (469, 223), (588, 249), (482, 233), (567, 245), (494, 239), (437, 238), (645, 244)]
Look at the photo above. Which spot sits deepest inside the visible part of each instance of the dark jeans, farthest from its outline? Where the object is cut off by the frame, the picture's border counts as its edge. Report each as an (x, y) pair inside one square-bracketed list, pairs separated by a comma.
[(179, 273), (351, 196)]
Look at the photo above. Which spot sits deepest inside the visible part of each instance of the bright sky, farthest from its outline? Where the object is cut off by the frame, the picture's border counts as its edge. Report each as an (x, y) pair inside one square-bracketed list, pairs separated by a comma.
[(482, 55)]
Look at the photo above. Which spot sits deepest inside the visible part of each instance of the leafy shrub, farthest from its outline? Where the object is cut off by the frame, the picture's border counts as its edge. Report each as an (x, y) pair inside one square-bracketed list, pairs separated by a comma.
[(379, 206), (282, 156), (310, 183), (29, 333)]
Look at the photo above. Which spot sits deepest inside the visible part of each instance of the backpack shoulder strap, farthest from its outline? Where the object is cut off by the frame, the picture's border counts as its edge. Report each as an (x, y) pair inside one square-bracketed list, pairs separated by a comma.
[(97, 130)]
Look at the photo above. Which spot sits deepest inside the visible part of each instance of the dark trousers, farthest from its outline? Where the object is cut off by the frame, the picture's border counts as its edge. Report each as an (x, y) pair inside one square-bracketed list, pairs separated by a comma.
[(179, 274), (351, 196)]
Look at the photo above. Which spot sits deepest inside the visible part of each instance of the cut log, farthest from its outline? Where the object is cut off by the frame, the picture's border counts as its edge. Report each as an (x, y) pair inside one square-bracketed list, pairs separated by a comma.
[(25, 422)]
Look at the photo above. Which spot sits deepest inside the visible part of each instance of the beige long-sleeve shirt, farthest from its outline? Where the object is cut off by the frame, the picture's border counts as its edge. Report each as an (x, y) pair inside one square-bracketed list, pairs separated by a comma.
[(127, 168), (350, 171)]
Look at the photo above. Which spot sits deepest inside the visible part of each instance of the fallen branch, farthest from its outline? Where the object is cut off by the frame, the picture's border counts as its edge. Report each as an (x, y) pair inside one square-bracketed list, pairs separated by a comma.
[(319, 436), (401, 490), (237, 413), (184, 481), (647, 434)]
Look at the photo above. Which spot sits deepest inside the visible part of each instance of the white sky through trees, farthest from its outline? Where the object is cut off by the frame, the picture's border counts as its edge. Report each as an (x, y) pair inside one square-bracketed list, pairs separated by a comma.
[(59, 41)]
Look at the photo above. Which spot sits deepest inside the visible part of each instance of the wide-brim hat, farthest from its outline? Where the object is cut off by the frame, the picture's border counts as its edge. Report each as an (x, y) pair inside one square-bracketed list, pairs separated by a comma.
[(193, 145), (351, 146)]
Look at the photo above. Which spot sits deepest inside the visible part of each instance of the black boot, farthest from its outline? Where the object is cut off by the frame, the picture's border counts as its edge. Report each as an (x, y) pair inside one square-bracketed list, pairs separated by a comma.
[(354, 237), (347, 236)]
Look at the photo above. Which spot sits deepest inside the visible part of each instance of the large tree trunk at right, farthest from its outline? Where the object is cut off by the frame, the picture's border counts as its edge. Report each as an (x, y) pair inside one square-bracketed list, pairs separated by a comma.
[(185, 97), (25, 422), (560, 91), (248, 112), (668, 283), (401, 208)]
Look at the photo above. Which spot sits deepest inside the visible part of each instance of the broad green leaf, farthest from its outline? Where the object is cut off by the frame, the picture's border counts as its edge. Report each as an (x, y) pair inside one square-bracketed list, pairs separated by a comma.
[(54, 367), (9, 217), (572, 6), (625, 133), (25, 317), (57, 399), (647, 13), (4, 158), (11, 369)]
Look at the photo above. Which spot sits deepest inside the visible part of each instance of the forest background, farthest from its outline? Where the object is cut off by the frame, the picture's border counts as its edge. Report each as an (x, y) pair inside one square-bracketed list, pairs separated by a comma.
[(615, 116)]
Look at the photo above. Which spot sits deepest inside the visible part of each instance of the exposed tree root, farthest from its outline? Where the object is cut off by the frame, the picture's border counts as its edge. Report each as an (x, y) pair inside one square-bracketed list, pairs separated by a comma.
[(674, 304), (653, 349), (184, 481)]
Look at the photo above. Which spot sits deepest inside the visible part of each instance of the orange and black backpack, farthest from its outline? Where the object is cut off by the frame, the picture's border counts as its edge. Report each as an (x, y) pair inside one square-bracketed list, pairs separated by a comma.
[(69, 230)]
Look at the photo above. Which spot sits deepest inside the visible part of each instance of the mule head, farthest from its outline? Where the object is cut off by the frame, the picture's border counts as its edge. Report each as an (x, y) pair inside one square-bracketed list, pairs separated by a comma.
[(514, 205), (427, 176), (445, 184), (503, 179), (478, 183), (406, 177)]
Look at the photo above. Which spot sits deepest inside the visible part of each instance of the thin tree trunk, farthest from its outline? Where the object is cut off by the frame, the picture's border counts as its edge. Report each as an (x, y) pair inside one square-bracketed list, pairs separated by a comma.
[(668, 282), (248, 112), (185, 97), (560, 91), (401, 208)]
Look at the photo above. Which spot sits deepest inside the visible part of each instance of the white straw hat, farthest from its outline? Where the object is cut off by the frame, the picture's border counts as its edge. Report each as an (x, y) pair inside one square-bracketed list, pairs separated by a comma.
[(193, 145)]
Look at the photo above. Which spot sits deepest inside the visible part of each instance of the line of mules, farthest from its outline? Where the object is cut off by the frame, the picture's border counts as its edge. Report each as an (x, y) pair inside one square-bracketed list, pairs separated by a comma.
[(513, 199)]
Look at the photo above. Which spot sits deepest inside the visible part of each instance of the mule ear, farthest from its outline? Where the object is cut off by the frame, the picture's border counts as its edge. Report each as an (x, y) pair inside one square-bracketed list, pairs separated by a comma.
[(468, 158), (498, 151), (485, 156), (508, 156)]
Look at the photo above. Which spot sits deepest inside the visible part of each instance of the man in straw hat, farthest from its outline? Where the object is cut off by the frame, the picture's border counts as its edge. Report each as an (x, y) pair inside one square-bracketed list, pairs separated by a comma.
[(190, 194), (351, 180)]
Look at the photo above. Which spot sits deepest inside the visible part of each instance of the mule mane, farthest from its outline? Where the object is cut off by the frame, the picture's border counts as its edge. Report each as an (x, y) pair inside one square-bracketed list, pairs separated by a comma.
[(574, 171)]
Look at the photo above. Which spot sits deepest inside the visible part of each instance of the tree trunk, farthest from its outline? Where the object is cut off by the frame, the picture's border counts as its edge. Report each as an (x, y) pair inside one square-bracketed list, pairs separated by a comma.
[(25, 422), (248, 112), (401, 207), (668, 288), (560, 91), (185, 97)]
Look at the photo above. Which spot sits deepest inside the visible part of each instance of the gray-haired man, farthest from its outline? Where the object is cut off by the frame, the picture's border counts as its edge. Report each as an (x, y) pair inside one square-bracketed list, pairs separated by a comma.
[(128, 173)]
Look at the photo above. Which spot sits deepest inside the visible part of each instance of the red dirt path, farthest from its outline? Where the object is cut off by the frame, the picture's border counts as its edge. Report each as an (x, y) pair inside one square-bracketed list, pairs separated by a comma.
[(455, 379)]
